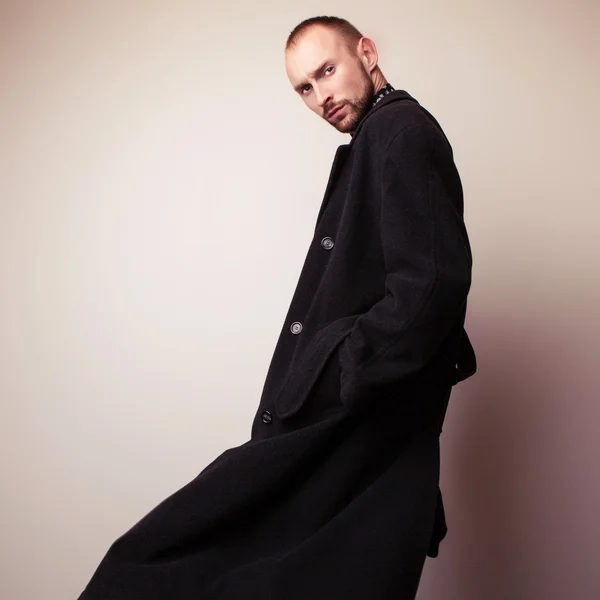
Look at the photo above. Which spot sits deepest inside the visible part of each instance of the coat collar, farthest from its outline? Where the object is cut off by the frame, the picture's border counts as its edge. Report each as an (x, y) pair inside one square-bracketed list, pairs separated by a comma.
[(394, 96)]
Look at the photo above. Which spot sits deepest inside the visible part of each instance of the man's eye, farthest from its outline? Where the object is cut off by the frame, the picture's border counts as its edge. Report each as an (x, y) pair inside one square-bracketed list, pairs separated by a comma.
[(304, 88)]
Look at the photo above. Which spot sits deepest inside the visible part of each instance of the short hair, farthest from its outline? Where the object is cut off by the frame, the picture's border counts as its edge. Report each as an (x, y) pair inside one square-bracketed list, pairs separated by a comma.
[(350, 35)]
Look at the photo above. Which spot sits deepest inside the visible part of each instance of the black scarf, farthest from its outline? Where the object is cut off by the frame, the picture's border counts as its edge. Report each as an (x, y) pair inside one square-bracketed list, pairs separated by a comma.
[(384, 91)]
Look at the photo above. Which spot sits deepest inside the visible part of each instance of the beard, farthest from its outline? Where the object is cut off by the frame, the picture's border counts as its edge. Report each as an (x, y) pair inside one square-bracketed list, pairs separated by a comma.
[(357, 108)]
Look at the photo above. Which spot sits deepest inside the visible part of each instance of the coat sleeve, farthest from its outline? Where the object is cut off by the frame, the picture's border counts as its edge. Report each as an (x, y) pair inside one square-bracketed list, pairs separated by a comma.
[(427, 261)]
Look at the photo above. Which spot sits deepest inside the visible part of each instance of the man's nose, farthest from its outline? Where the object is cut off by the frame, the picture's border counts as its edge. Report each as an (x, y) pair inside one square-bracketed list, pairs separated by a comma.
[(323, 99)]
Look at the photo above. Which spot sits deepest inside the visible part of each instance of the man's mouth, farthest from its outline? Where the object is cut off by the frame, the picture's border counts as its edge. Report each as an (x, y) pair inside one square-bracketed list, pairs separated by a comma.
[(334, 112)]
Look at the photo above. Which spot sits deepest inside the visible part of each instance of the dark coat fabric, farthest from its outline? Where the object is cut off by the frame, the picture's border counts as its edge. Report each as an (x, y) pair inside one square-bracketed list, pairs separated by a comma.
[(336, 493)]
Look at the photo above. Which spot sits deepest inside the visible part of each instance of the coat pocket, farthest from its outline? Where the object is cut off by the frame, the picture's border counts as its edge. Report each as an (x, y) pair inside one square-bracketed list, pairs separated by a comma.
[(309, 366)]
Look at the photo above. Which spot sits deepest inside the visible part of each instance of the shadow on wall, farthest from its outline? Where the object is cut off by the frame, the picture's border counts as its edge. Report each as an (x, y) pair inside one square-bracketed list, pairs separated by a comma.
[(517, 470)]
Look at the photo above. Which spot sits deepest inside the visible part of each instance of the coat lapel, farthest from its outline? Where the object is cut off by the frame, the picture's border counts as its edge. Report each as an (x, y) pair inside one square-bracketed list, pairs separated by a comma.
[(338, 162), (344, 150)]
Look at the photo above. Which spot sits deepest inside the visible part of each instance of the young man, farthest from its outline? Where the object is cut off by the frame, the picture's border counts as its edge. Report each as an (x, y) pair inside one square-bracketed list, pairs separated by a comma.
[(336, 494)]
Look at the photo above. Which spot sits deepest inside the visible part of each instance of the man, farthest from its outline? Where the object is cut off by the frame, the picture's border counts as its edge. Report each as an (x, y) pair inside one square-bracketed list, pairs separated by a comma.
[(336, 494)]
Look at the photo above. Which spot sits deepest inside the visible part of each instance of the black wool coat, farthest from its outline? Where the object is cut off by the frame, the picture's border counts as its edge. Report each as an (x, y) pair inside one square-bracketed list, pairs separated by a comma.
[(336, 494)]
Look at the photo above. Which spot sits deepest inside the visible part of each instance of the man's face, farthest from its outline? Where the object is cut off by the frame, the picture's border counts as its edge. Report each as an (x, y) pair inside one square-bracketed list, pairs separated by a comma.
[(342, 80)]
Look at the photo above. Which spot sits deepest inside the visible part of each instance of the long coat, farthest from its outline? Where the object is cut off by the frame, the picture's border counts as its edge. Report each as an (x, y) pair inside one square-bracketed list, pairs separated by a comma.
[(336, 494)]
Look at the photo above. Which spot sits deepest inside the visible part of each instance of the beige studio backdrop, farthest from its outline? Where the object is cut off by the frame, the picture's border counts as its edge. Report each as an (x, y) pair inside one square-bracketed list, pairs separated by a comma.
[(159, 186)]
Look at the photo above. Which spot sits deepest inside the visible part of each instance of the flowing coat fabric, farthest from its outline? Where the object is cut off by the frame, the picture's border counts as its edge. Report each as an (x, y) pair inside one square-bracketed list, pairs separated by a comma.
[(336, 493)]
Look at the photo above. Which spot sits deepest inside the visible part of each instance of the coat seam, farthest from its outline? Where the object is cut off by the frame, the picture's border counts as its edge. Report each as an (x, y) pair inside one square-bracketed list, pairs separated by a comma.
[(391, 141)]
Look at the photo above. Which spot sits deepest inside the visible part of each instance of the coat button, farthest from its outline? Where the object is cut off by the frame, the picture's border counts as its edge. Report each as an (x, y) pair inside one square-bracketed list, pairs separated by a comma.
[(296, 327), (266, 417), (327, 243)]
